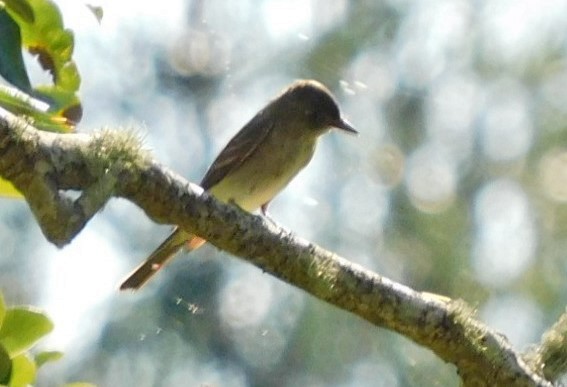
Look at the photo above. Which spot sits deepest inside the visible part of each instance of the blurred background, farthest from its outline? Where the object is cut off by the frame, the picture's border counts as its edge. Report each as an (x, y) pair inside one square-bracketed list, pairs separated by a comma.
[(456, 185)]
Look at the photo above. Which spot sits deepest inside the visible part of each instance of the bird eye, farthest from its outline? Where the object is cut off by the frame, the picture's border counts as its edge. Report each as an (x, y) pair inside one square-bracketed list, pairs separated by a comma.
[(315, 118), (311, 115)]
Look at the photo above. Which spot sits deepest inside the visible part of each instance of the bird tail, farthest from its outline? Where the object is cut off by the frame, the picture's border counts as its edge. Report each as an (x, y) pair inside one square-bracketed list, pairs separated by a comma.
[(165, 252)]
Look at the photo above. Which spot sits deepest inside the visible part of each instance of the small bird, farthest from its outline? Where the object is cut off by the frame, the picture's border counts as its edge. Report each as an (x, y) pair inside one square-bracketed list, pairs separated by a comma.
[(258, 162)]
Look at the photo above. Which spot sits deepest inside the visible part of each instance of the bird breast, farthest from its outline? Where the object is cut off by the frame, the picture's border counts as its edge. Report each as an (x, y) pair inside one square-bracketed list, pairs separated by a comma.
[(266, 172)]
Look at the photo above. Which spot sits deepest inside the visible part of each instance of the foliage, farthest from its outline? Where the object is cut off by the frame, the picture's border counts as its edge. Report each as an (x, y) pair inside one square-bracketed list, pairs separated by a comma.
[(37, 26), (21, 327)]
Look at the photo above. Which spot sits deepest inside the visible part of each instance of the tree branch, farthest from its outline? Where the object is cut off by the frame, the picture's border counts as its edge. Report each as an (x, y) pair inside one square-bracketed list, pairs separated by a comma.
[(43, 166), (550, 357)]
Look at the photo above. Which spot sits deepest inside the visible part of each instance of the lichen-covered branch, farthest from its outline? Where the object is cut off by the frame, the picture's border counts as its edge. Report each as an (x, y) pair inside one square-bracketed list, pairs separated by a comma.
[(43, 166), (550, 356)]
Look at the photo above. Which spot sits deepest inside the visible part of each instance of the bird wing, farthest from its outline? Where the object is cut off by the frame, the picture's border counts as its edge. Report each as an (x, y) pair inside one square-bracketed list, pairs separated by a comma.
[(238, 149)]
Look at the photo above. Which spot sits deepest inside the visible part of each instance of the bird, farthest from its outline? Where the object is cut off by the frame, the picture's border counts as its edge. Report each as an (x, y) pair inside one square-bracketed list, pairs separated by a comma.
[(258, 162)]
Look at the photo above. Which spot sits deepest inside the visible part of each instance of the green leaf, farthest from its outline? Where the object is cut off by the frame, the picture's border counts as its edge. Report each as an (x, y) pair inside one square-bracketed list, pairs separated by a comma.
[(53, 44), (5, 366), (20, 8), (46, 357), (23, 371), (12, 67), (70, 107), (22, 328), (7, 190), (21, 104)]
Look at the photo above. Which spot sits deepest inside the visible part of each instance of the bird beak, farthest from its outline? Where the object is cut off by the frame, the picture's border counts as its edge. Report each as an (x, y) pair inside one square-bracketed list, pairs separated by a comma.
[(344, 125)]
